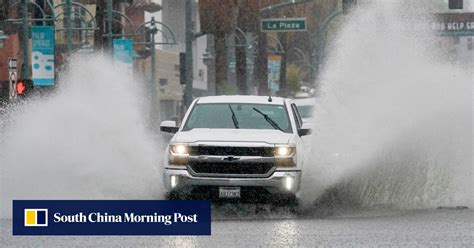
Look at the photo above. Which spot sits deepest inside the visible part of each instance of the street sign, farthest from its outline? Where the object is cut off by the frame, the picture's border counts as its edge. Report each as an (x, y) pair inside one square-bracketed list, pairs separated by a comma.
[(283, 24), (12, 78), (454, 24), (12, 63)]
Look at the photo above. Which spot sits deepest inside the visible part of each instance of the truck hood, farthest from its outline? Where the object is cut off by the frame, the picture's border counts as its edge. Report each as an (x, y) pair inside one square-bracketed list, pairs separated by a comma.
[(233, 135)]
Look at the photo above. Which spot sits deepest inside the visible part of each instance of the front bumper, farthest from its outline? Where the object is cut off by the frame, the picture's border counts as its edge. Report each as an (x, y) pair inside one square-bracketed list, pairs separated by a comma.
[(287, 182)]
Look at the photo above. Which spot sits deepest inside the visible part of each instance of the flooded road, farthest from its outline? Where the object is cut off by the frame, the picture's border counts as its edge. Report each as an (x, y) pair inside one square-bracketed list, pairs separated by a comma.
[(362, 228)]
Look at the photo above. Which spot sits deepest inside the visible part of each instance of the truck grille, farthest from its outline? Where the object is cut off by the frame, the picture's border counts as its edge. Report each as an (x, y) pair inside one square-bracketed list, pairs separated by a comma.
[(231, 168), (231, 151)]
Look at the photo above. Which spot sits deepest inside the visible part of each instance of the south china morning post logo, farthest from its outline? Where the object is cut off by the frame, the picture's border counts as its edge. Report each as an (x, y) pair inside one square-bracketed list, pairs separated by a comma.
[(36, 217), (99, 217), (39, 217), (111, 217)]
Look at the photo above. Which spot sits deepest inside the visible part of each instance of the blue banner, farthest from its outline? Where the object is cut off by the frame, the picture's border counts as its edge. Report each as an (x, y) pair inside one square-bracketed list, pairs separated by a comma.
[(111, 217), (123, 54), (42, 57), (274, 67)]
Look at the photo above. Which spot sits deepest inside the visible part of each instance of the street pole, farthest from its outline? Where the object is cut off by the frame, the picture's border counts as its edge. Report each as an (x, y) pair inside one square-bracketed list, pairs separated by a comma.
[(249, 75), (109, 24), (25, 69), (188, 91), (249, 62), (153, 32), (68, 13), (231, 59)]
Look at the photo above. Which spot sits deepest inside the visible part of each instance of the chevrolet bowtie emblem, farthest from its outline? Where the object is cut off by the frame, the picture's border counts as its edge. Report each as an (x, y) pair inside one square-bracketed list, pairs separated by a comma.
[(231, 158)]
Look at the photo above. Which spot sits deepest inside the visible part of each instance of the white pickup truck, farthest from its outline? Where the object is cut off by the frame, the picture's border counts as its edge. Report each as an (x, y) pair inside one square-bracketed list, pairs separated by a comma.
[(236, 147)]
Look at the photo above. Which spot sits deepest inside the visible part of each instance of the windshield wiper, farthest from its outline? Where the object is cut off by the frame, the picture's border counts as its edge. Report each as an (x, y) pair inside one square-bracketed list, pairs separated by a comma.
[(234, 118), (269, 120)]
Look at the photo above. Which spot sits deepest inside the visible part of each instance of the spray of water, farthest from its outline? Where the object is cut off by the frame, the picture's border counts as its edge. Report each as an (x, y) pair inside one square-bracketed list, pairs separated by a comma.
[(87, 140), (393, 122), (393, 126)]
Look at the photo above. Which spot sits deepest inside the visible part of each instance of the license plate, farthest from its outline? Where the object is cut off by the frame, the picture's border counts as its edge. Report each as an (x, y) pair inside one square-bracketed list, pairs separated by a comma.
[(229, 192)]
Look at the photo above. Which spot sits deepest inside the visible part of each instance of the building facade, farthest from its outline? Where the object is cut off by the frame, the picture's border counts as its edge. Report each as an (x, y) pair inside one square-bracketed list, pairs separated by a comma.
[(173, 15)]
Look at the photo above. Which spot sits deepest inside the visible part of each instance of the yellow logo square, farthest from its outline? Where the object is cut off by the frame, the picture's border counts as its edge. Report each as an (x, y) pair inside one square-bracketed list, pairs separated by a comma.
[(36, 217)]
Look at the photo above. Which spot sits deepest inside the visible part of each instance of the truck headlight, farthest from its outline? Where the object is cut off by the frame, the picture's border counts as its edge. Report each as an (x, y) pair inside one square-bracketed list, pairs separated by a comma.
[(179, 149), (284, 151), (285, 156), (178, 154)]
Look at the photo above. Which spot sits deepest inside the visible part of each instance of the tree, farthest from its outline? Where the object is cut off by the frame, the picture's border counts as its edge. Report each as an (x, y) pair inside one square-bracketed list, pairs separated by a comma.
[(218, 17), (99, 18), (294, 75)]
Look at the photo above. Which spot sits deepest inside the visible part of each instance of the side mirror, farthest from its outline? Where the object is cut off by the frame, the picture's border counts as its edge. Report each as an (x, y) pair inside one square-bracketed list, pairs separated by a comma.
[(304, 131), (169, 127)]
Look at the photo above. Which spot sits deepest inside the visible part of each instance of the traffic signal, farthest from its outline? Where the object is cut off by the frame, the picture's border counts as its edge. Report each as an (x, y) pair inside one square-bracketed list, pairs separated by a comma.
[(24, 87), (20, 88), (348, 5), (455, 4), (148, 38), (182, 68)]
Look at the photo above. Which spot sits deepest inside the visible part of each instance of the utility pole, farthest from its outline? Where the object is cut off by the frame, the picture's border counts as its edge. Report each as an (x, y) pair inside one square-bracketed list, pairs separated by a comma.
[(68, 13), (250, 46), (110, 39), (188, 91), (25, 69), (153, 31)]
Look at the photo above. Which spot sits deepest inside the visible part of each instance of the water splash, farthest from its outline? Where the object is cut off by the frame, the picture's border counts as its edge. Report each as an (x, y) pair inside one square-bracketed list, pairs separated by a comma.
[(88, 140), (394, 121)]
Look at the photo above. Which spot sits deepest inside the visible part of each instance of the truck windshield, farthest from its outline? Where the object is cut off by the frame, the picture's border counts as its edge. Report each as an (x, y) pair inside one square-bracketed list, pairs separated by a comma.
[(225, 116)]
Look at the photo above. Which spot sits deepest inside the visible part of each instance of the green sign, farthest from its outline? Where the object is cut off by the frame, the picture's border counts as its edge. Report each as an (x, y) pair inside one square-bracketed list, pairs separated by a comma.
[(283, 24), (453, 24)]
